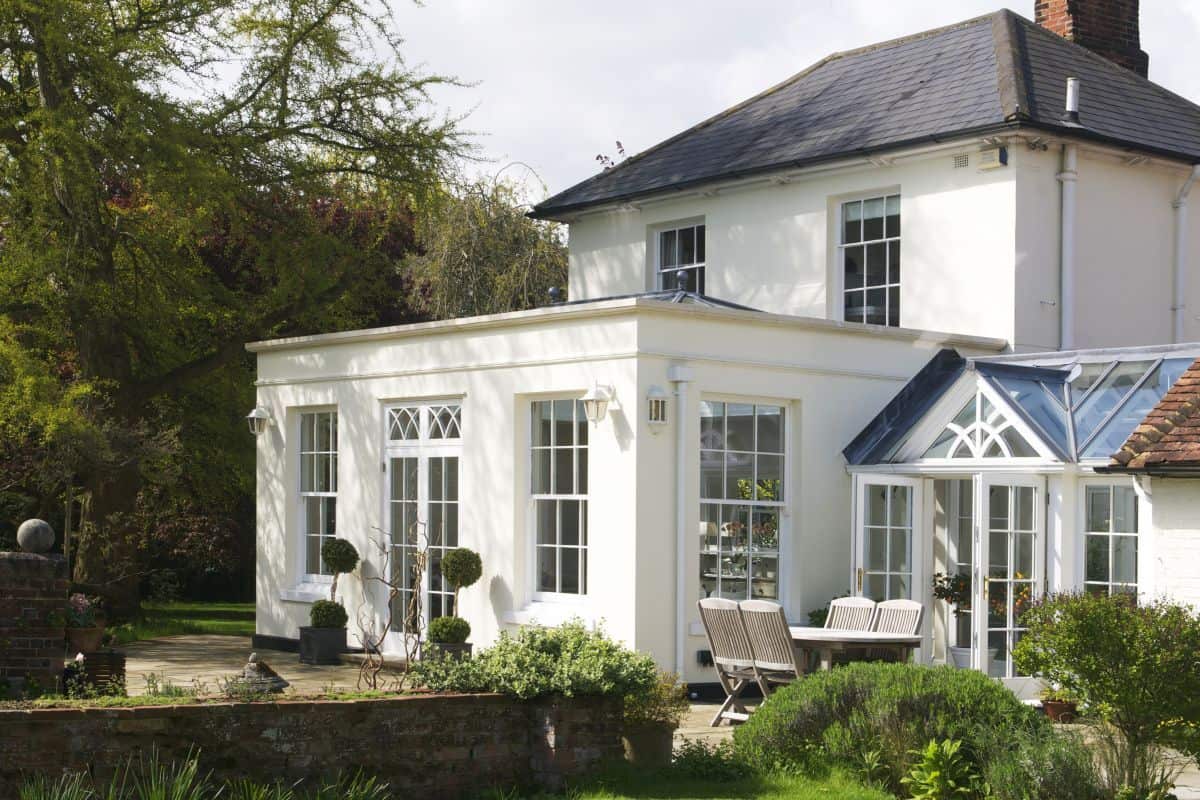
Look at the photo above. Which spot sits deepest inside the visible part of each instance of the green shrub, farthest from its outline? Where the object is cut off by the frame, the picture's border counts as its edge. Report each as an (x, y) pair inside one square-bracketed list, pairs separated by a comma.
[(1132, 664), (665, 702), (328, 614), (569, 660), (449, 630), (941, 772), (879, 714), (1046, 765), (704, 760)]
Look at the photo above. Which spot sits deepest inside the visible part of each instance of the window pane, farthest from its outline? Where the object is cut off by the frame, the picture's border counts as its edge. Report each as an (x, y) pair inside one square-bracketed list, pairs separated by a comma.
[(876, 311), (997, 554), (877, 543), (687, 246), (893, 313), (712, 473), (893, 262), (668, 255), (898, 554), (1124, 559), (1025, 498), (901, 514), (547, 568), (852, 259), (763, 572), (569, 571), (1098, 509), (569, 522), (893, 215), (541, 422), (547, 521), (875, 587), (564, 422), (712, 424), (1106, 396), (739, 476), (541, 471), (876, 264), (581, 425), (308, 473), (308, 432), (852, 222), (564, 470), (325, 424), (855, 307), (740, 430), (898, 587), (764, 530), (769, 482), (876, 504), (1023, 552), (700, 244), (770, 429), (1096, 558), (873, 219), (1124, 510)]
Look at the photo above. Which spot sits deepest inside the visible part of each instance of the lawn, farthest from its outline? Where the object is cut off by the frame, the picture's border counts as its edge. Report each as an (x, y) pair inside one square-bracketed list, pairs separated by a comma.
[(175, 619), (670, 785)]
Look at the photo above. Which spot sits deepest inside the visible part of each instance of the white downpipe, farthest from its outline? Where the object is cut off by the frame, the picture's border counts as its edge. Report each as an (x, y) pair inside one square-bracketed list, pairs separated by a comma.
[(680, 376), (1068, 178), (1179, 306)]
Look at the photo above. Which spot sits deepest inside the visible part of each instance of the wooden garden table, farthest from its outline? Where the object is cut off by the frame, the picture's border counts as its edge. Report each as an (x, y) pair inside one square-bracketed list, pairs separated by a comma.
[(826, 641)]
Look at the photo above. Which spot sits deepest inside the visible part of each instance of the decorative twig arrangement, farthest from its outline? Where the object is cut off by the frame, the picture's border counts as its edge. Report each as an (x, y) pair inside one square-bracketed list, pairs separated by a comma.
[(371, 633)]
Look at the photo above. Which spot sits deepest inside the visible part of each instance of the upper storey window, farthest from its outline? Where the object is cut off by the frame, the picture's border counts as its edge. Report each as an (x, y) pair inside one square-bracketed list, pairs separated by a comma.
[(870, 259), (681, 252)]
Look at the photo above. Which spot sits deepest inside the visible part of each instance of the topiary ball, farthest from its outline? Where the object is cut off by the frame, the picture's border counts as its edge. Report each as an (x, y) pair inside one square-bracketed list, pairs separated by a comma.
[(328, 614), (340, 555), (461, 567), (449, 630)]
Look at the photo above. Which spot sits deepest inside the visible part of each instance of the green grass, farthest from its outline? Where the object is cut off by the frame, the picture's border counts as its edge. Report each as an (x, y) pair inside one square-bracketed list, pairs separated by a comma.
[(630, 784), (177, 619)]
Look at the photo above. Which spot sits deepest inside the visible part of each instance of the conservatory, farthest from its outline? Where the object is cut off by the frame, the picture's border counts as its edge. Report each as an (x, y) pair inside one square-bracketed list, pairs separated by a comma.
[(976, 489)]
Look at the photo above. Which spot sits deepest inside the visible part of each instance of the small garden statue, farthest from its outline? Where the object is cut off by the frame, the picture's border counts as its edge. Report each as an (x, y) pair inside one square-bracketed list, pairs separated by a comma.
[(259, 677), (460, 568)]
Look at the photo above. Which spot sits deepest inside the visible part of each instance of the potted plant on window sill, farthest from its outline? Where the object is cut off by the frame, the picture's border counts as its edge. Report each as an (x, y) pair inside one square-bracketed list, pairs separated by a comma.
[(650, 719), (448, 635), (324, 641), (85, 629)]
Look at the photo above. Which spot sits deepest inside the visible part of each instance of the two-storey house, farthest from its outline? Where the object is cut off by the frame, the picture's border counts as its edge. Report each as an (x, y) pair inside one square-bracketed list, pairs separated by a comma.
[(863, 327)]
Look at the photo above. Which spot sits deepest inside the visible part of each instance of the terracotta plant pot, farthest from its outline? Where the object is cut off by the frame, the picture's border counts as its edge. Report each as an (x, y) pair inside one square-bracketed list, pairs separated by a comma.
[(649, 745), (84, 640), (322, 645), (1061, 710)]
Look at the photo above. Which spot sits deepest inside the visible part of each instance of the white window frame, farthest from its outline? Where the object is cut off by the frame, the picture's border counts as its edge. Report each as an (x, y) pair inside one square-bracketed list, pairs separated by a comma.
[(537, 594), (783, 587), (1084, 533), (666, 279), (917, 515), (430, 442), (839, 270), (306, 576)]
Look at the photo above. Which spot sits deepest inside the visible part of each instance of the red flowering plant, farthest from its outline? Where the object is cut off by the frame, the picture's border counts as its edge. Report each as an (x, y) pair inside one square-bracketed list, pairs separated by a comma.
[(81, 612)]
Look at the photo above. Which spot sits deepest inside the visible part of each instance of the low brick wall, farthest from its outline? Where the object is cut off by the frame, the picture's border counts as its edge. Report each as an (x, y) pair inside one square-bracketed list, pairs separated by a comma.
[(32, 587), (427, 746)]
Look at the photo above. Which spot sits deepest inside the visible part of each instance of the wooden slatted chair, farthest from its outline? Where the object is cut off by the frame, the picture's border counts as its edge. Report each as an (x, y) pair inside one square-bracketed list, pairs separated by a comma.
[(896, 616), (777, 661), (731, 654), (851, 614)]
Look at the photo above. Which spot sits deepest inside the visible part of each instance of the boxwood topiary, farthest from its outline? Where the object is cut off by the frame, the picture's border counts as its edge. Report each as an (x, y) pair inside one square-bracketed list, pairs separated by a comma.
[(461, 568), (339, 555), (883, 713), (328, 614), (449, 630)]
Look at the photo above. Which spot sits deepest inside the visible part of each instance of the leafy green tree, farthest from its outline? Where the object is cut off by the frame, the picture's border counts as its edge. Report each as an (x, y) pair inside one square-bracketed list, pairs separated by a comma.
[(481, 254), (178, 177)]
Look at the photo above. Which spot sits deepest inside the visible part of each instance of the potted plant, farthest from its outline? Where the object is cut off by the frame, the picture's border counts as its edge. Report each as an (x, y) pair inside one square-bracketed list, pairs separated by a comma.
[(1059, 704), (85, 630), (955, 590), (651, 717), (447, 635), (324, 641)]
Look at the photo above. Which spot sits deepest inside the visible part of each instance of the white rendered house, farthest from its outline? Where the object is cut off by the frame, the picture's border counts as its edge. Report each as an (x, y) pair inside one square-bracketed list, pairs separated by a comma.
[(781, 305)]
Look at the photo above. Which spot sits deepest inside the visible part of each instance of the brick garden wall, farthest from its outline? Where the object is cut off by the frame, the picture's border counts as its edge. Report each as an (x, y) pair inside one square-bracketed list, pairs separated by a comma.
[(32, 587), (425, 746)]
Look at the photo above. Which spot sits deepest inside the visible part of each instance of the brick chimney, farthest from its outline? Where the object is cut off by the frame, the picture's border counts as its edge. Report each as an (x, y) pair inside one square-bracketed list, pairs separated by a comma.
[(1106, 27)]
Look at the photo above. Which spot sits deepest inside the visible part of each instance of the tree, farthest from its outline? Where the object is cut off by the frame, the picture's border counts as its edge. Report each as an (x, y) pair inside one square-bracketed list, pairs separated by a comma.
[(178, 177), (481, 253)]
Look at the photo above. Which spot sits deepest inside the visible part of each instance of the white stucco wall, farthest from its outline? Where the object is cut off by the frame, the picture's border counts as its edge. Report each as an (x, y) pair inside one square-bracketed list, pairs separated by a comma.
[(832, 379), (773, 246), (1176, 539)]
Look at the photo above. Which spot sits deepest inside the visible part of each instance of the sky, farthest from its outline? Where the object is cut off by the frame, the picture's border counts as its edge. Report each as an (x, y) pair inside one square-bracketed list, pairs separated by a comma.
[(553, 83)]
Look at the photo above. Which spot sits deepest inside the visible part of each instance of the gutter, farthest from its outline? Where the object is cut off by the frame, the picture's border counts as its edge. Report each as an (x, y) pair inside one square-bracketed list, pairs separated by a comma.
[(1164, 471), (1179, 306)]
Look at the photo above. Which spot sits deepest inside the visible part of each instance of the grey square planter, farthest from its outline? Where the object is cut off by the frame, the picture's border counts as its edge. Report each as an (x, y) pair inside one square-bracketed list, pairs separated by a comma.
[(322, 645)]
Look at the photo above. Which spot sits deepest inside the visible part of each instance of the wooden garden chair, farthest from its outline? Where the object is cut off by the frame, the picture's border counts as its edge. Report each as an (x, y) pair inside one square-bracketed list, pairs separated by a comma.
[(731, 654), (897, 616), (851, 614), (777, 661)]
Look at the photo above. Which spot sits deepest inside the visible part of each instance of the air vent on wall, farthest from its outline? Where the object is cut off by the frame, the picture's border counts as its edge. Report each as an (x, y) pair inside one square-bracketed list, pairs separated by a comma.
[(961, 160)]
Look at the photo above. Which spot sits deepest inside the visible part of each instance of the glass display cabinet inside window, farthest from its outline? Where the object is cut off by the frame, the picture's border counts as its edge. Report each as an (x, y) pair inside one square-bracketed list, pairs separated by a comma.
[(741, 499)]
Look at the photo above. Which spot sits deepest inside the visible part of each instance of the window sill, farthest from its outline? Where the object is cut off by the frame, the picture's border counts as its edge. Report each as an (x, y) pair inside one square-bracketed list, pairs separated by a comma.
[(542, 612), (308, 592)]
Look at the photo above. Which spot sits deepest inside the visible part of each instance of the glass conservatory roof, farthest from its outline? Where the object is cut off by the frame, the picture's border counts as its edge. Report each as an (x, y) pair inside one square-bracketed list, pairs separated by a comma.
[(1082, 405)]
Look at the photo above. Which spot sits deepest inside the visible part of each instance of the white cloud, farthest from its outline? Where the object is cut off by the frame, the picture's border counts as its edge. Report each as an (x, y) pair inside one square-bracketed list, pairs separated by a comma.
[(557, 82)]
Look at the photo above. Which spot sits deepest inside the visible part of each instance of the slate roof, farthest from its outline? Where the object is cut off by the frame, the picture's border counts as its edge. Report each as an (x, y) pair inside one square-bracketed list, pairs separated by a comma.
[(1169, 437), (986, 75)]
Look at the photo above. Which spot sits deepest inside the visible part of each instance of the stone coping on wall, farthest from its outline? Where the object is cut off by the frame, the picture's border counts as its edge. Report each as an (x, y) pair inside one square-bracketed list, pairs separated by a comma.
[(433, 745)]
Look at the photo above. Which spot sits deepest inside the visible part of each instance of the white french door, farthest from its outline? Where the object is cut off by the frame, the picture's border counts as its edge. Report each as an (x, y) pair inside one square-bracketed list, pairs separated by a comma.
[(422, 468), (1010, 529), (890, 550)]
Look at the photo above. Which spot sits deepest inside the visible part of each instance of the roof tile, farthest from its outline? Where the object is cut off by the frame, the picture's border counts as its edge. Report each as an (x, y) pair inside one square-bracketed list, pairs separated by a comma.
[(1170, 434)]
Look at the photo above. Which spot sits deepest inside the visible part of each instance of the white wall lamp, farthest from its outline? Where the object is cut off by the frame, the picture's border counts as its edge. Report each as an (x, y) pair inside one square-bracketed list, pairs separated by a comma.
[(259, 420), (595, 403), (656, 408)]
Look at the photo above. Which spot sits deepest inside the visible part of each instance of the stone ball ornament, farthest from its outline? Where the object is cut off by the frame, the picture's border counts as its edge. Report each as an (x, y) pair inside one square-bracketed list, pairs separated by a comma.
[(35, 536)]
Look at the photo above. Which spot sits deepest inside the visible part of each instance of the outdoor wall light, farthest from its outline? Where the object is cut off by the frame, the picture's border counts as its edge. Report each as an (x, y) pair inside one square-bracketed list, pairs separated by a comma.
[(656, 408), (259, 420), (595, 403)]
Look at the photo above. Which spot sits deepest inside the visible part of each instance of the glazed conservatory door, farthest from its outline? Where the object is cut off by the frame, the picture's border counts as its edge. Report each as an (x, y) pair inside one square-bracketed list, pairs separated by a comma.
[(1010, 519)]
